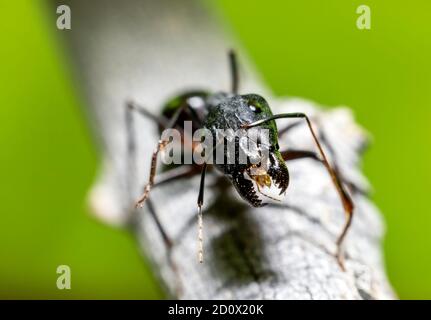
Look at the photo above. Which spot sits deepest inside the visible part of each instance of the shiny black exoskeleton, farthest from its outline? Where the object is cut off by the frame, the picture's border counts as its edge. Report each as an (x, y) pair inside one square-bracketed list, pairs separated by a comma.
[(238, 113)]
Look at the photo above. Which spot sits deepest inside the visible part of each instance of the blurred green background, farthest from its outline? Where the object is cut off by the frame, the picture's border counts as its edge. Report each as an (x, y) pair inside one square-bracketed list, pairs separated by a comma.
[(302, 48)]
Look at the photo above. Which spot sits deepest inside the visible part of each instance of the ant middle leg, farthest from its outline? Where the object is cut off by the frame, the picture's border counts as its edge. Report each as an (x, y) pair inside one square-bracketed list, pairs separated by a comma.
[(305, 154), (133, 106), (299, 154), (286, 129), (180, 172), (292, 154), (333, 172)]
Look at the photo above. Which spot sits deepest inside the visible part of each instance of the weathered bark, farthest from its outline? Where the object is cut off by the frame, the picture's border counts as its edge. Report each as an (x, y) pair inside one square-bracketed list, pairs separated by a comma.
[(149, 50)]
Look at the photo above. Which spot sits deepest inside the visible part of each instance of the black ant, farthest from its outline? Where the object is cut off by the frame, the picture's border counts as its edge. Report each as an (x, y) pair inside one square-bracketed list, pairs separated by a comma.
[(237, 112)]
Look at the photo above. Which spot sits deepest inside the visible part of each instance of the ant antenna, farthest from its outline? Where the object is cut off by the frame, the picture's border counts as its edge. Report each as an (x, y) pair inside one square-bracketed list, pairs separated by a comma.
[(345, 198), (234, 71), (200, 218)]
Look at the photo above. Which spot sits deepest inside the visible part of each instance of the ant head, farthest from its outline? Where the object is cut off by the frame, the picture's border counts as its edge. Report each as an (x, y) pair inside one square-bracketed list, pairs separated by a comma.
[(271, 170), (232, 111), (265, 166)]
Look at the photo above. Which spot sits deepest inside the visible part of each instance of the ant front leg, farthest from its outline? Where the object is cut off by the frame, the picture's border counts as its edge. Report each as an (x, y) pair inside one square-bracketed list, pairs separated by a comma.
[(132, 107), (166, 177), (344, 196), (164, 123), (160, 146), (131, 155)]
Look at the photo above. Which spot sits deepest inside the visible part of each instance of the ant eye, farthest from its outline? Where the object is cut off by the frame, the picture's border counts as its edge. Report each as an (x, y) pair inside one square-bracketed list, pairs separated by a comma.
[(277, 146), (255, 108)]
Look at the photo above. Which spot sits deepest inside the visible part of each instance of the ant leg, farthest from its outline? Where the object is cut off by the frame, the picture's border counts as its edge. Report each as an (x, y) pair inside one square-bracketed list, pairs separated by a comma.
[(171, 175), (344, 196), (200, 218), (287, 128), (131, 140), (131, 148), (233, 71), (299, 154), (168, 244), (160, 120), (166, 239), (182, 171), (160, 145), (353, 187)]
